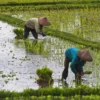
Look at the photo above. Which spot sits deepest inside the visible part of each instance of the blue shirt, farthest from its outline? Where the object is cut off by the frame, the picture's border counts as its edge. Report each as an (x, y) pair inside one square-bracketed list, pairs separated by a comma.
[(76, 63)]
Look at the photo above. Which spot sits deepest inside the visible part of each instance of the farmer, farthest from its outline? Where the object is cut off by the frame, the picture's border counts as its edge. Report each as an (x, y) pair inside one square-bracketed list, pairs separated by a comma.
[(77, 58), (35, 25)]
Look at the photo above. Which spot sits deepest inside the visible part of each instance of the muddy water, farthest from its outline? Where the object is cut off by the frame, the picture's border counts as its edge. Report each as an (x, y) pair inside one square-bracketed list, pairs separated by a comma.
[(17, 74)]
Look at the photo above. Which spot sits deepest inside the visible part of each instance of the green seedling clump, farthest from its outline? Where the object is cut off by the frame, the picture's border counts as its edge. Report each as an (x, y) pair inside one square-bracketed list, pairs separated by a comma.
[(19, 33), (45, 77), (36, 47), (87, 72), (44, 73)]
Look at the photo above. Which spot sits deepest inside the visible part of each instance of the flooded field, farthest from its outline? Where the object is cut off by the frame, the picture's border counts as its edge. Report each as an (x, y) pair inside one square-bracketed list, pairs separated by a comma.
[(18, 73), (18, 67)]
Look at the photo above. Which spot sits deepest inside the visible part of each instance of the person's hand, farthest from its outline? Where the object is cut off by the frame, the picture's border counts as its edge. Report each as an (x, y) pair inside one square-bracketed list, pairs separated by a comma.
[(77, 74), (81, 73), (43, 34)]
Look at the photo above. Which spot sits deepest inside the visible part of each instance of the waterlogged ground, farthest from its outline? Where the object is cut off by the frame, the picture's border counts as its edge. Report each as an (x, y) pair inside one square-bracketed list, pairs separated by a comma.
[(18, 68)]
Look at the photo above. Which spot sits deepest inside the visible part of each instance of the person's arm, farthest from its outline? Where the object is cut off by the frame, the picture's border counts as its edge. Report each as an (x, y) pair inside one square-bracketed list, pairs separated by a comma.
[(41, 31), (81, 73), (37, 28), (81, 70), (43, 34)]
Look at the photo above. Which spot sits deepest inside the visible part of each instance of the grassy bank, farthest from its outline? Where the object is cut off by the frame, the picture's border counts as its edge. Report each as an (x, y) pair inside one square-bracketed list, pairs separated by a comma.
[(50, 2), (76, 97), (52, 92), (23, 2)]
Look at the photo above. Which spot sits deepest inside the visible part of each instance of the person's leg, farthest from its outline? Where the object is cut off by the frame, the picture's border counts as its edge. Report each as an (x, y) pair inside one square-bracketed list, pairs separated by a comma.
[(65, 71), (34, 33), (26, 31)]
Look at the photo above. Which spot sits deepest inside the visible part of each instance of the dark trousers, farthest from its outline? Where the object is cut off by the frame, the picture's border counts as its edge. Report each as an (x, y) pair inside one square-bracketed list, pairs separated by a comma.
[(27, 30), (65, 71)]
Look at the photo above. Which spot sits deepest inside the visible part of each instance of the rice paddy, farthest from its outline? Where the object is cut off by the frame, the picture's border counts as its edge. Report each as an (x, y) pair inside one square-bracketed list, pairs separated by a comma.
[(72, 25)]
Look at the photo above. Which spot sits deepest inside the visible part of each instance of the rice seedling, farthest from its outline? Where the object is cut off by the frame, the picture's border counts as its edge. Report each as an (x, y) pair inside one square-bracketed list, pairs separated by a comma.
[(44, 73), (6, 81), (1, 72), (15, 2), (17, 78), (45, 76), (87, 72), (3, 76), (19, 33)]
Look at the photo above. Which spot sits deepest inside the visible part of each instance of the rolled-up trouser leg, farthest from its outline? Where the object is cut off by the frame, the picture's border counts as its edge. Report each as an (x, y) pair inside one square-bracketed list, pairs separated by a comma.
[(65, 71)]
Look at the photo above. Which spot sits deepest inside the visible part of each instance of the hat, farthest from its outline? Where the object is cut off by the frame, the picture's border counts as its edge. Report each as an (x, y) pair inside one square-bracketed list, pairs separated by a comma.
[(44, 21), (85, 55)]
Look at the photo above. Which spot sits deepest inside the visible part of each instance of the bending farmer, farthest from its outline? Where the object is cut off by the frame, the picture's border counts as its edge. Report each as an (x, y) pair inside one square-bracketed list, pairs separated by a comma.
[(77, 58), (35, 25)]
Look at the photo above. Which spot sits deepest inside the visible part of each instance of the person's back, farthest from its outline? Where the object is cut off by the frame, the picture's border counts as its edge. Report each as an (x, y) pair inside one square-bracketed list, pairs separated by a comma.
[(32, 22), (71, 53)]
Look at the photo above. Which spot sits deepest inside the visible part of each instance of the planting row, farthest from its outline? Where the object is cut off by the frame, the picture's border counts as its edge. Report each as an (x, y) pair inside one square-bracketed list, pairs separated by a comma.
[(67, 92), (62, 35), (76, 97), (42, 1), (25, 3), (45, 7)]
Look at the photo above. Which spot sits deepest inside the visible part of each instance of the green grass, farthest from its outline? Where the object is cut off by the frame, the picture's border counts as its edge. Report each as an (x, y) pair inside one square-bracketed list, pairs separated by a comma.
[(26, 7), (47, 1), (76, 97), (66, 92)]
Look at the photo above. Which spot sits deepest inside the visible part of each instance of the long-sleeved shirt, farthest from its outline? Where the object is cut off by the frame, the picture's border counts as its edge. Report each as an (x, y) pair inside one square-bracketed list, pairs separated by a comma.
[(33, 23), (76, 63)]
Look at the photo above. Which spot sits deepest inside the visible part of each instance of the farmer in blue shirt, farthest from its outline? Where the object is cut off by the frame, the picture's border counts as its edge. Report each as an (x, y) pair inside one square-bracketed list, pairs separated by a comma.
[(77, 58)]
